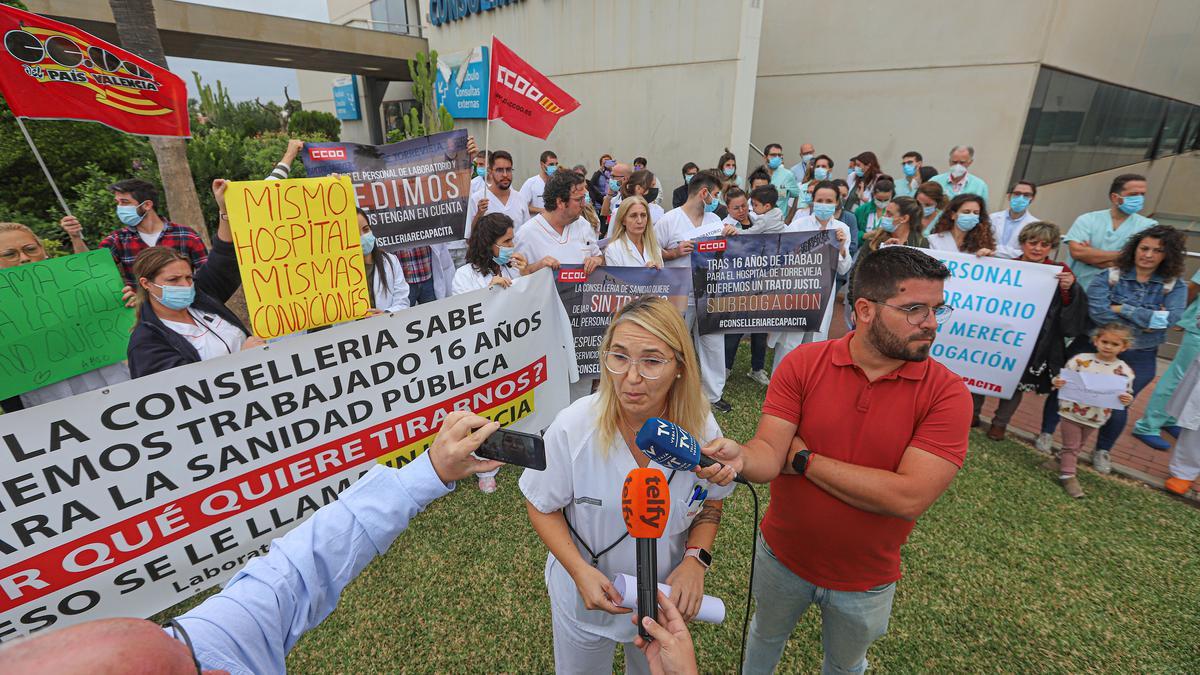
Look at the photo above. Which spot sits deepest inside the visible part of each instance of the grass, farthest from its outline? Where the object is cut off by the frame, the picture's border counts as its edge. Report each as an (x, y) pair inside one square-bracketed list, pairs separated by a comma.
[(1004, 573)]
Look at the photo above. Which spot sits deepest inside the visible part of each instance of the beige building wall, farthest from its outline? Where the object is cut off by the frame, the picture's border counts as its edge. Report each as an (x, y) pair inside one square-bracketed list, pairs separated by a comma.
[(656, 79)]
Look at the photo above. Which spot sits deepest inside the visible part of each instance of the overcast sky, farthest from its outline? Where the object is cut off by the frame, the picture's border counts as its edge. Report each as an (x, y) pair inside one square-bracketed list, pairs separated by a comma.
[(246, 82)]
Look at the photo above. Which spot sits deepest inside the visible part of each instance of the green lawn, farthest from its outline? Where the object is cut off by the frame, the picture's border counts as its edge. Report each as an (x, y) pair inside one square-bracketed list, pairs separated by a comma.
[(1003, 574)]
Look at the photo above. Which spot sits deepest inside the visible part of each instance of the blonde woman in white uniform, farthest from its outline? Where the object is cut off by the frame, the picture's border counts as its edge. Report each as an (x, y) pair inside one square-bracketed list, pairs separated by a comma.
[(633, 243), (650, 370)]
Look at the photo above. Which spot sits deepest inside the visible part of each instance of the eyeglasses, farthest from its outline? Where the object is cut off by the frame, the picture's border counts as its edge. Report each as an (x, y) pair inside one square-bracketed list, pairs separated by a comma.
[(649, 367), (917, 314), (502, 170), (29, 250), (182, 636)]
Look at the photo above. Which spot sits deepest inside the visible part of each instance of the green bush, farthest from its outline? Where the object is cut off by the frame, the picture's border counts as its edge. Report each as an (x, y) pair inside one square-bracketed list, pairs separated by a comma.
[(314, 124)]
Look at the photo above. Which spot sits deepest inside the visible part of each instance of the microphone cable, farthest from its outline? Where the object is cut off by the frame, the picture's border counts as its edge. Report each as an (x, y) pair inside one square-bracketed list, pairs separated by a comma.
[(750, 586)]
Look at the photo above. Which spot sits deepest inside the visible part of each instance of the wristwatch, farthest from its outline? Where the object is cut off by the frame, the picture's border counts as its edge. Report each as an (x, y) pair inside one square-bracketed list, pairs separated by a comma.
[(800, 461), (700, 554)]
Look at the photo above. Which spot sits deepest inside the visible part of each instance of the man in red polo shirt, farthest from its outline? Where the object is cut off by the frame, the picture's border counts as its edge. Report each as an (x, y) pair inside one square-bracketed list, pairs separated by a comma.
[(867, 432)]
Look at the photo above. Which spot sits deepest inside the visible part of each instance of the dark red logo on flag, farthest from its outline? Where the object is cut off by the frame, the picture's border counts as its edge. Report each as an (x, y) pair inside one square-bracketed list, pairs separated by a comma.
[(326, 154), (53, 70), (573, 275), (710, 246), (524, 98)]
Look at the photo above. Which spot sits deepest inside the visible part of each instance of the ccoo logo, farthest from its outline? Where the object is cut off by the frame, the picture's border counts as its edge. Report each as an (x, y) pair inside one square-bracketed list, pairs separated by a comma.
[(524, 87), (326, 154), (710, 246)]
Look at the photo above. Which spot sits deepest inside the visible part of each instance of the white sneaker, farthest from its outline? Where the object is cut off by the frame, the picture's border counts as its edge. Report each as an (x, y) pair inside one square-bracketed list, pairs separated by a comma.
[(760, 376), (1044, 442), (1101, 462)]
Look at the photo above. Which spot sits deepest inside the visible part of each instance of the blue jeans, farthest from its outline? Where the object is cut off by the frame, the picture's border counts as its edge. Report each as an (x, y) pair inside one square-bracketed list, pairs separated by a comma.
[(850, 621), (758, 350), (421, 292), (1144, 362)]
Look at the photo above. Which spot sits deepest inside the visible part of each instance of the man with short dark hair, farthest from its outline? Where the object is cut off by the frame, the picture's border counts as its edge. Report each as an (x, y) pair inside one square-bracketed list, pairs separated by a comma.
[(137, 209), (1007, 224), (856, 480), (479, 169), (783, 179), (910, 166), (681, 193), (533, 187)]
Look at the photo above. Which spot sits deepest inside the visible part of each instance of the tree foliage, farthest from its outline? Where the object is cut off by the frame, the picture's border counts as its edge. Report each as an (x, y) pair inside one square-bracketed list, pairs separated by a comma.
[(426, 117)]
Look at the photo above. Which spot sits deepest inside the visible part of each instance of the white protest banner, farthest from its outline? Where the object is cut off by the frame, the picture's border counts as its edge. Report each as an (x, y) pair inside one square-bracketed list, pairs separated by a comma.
[(124, 501), (998, 310)]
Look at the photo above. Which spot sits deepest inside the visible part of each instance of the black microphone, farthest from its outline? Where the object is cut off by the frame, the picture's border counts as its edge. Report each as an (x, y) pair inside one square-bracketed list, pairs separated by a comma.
[(669, 445), (646, 506)]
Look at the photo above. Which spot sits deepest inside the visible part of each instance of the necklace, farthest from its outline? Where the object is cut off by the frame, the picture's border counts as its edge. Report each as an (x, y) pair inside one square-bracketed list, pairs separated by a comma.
[(550, 231)]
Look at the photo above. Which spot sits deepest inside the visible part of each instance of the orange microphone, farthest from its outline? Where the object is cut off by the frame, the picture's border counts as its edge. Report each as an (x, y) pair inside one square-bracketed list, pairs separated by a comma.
[(645, 506)]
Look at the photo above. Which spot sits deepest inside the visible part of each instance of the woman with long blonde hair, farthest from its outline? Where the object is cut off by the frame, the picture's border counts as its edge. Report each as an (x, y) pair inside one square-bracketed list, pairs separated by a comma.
[(649, 370), (633, 243)]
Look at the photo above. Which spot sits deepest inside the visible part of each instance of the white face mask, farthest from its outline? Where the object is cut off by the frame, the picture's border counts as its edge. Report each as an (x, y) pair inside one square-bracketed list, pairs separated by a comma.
[(958, 170)]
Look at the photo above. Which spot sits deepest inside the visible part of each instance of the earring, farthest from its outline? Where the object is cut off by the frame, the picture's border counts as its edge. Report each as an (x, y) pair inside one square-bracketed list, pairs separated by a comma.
[(678, 375)]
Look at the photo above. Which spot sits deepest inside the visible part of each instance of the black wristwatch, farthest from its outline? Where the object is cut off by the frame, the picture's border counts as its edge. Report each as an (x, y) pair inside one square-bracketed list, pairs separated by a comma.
[(800, 461)]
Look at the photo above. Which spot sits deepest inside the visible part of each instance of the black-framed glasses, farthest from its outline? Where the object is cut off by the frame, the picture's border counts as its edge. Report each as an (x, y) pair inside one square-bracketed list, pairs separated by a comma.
[(182, 636), (649, 367), (917, 314)]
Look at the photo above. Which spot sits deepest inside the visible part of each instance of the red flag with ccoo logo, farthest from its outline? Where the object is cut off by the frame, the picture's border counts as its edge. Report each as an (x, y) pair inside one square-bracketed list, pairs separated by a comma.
[(524, 98), (53, 70)]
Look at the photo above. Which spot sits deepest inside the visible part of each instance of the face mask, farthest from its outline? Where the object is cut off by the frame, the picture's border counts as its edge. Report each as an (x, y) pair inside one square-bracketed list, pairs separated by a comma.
[(820, 173), (1018, 203), (824, 211), (129, 215), (1133, 204), (958, 170), (928, 210), (368, 242), (806, 158), (638, 167), (609, 164), (729, 172), (550, 169), (887, 224), (480, 171), (506, 253), (176, 297), (652, 195), (966, 221), (614, 185), (881, 203), (587, 198), (709, 207), (858, 172), (910, 170), (687, 178), (774, 162)]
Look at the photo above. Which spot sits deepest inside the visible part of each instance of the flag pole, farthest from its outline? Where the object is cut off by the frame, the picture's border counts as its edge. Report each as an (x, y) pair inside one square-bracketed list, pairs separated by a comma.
[(37, 155), (487, 124)]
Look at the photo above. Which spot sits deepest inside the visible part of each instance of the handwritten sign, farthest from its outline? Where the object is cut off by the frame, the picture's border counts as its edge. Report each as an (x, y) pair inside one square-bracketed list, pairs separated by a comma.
[(298, 248), (59, 318)]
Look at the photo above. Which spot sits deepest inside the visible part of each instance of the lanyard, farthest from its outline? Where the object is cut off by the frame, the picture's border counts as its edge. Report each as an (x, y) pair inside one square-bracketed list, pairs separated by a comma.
[(596, 556)]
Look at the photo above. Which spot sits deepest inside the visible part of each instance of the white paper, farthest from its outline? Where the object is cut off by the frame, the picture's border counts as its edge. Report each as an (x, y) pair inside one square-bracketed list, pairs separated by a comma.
[(1098, 389), (712, 610)]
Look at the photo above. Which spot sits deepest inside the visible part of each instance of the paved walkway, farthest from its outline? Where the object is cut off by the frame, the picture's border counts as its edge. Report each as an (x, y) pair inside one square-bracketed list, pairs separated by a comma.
[(1130, 457)]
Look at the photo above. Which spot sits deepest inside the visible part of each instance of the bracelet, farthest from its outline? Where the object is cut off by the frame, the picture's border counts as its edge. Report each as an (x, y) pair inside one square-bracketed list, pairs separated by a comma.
[(224, 216)]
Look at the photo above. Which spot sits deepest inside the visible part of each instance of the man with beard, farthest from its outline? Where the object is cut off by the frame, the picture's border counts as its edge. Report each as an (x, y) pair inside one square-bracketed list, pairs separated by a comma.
[(858, 437), (496, 197)]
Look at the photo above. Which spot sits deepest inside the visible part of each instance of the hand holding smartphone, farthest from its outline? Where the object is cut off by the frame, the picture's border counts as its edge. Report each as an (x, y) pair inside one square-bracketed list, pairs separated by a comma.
[(515, 447)]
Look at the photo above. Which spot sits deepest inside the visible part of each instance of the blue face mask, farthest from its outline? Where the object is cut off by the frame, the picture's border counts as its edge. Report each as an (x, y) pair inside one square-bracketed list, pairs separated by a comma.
[(1133, 204), (709, 207), (176, 297), (806, 158), (887, 224), (587, 198), (858, 172), (368, 242), (480, 171), (129, 215), (966, 221), (614, 185), (824, 211), (928, 210), (774, 162), (820, 173), (910, 169), (506, 253), (1018, 203), (729, 172), (881, 203), (687, 178), (550, 169)]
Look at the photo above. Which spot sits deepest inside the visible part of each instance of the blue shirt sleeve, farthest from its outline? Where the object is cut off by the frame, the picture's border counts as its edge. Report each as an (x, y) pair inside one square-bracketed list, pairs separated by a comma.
[(1099, 294), (250, 626)]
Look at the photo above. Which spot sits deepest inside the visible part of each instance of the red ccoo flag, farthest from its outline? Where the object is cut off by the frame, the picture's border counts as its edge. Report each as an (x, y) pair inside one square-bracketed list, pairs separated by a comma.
[(53, 70), (524, 98)]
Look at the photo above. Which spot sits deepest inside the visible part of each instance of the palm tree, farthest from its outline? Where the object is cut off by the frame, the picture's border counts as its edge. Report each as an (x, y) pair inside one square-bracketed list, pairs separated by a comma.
[(137, 29)]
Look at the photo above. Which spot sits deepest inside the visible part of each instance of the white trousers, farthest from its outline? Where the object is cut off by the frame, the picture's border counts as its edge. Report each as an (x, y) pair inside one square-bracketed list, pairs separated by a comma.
[(578, 652), (710, 350), (1185, 460)]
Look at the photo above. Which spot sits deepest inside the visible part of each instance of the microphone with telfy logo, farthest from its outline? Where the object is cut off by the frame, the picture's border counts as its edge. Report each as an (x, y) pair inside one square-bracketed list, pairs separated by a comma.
[(645, 506), (669, 445)]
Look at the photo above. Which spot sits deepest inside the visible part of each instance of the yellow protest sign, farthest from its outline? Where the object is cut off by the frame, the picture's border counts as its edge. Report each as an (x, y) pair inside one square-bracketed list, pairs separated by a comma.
[(298, 248)]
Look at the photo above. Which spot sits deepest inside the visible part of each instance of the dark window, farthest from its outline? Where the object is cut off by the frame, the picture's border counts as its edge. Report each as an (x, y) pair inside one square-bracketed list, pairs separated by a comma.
[(1078, 126)]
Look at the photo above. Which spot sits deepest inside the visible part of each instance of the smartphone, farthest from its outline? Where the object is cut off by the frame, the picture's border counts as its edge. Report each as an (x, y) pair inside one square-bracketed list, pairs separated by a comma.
[(515, 447)]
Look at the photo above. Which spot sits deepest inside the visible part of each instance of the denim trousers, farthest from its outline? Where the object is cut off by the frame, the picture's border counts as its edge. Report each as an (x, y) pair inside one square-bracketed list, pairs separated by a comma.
[(850, 621), (758, 350)]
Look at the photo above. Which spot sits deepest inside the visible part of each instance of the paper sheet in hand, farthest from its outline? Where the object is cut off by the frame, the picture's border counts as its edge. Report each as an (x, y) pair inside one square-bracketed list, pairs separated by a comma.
[(1098, 389), (712, 610)]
